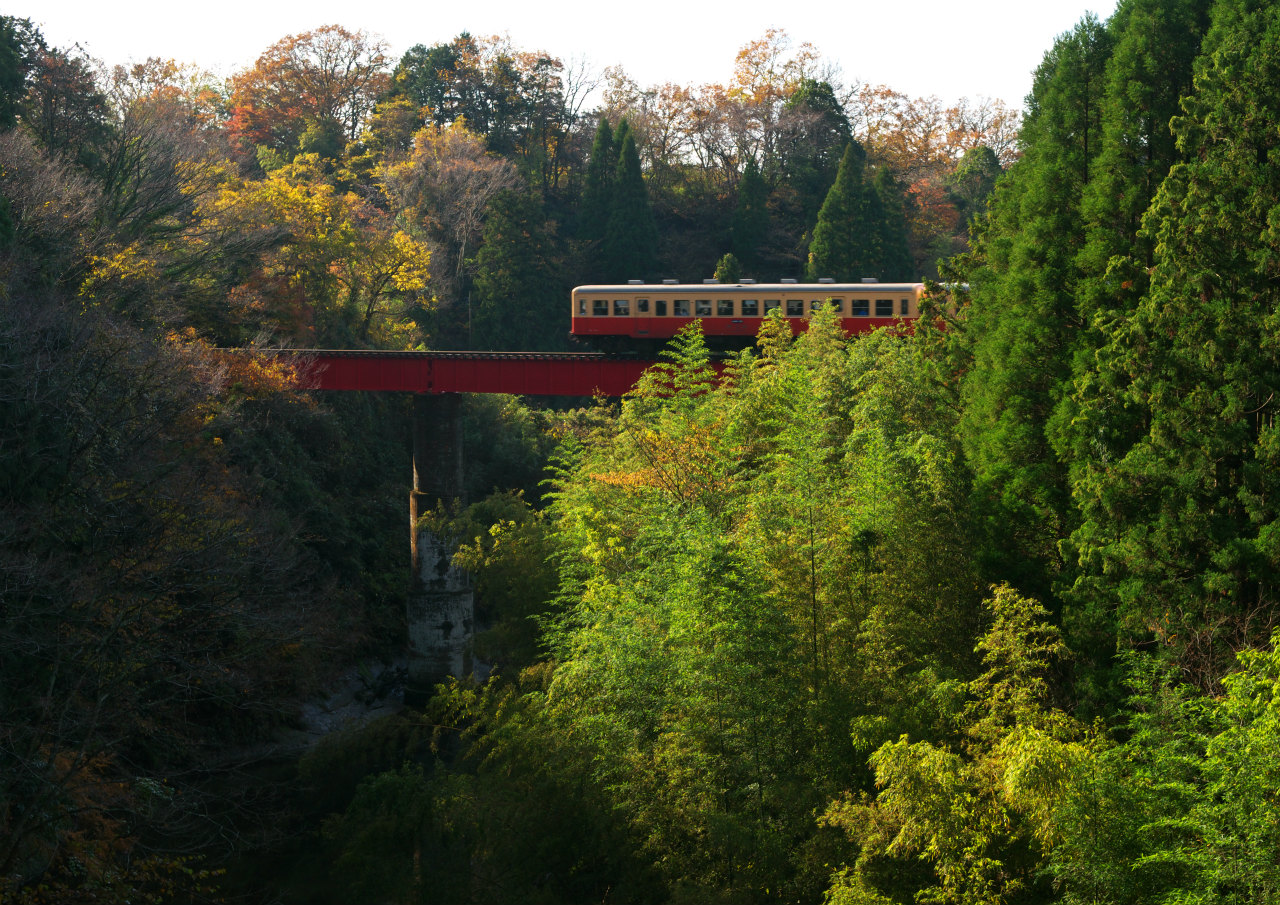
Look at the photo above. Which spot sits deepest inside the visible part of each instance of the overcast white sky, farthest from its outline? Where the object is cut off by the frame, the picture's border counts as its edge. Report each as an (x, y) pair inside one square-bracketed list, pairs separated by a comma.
[(947, 48)]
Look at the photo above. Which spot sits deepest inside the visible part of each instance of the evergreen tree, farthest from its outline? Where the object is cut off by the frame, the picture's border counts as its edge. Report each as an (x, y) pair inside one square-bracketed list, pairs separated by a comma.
[(1181, 526), (862, 228), (750, 223), (1150, 69), (973, 179), (428, 77), (19, 42), (620, 135), (1022, 319), (844, 238), (1156, 42), (519, 296), (631, 236), (597, 189), (894, 263), (18, 38), (814, 135), (728, 270)]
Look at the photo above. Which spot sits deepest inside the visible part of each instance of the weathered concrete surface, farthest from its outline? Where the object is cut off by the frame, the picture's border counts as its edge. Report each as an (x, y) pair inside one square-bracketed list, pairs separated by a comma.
[(441, 614), (441, 602)]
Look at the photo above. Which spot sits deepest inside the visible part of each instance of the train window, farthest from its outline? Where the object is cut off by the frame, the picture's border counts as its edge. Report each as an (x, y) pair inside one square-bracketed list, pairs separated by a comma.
[(600, 307), (724, 307), (884, 307), (751, 307), (621, 307), (861, 308), (770, 304), (681, 308), (904, 307), (815, 304), (702, 307), (838, 304), (582, 307), (660, 307), (642, 306), (795, 307)]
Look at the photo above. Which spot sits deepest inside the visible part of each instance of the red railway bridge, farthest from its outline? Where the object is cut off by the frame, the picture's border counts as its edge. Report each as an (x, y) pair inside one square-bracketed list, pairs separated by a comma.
[(514, 373)]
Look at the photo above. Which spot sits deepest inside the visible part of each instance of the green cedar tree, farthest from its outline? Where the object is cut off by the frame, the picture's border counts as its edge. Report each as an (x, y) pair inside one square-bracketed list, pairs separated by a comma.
[(519, 297), (814, 134), (427, 77), (597, 189), (845, 236), (631, 236), (894, 263), (1022, 319), (1150, 68), (750, 223), (973, 179), (1181, 527), (620, 135), (19, 42)]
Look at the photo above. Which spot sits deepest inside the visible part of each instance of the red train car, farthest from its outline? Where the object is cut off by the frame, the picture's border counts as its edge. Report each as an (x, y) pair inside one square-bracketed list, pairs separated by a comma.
[(731, 312)]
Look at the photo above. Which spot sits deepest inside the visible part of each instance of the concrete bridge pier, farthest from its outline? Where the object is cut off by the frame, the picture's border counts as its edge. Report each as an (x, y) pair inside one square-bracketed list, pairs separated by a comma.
[(441, 601)]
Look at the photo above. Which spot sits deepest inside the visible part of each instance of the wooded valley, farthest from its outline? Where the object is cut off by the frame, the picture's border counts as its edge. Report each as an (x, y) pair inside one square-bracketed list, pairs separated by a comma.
[(979, 612)]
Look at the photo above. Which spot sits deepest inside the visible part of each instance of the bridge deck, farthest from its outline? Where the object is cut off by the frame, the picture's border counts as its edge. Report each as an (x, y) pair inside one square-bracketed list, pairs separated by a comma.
[(517, 373)]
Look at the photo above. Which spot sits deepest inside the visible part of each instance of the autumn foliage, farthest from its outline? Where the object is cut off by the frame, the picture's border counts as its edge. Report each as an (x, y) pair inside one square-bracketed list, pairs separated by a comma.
[(326, 75), (193, 547)]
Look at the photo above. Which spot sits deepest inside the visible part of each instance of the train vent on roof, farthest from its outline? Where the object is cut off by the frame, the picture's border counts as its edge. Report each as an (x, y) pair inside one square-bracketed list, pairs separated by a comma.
[(870, 280), (825, 280), (670, 282), (635, 282), (746, 282), (788, 280), (712, 281)]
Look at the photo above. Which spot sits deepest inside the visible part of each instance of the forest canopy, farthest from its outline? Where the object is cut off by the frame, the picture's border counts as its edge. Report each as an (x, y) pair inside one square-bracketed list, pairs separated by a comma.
[(978, 610)]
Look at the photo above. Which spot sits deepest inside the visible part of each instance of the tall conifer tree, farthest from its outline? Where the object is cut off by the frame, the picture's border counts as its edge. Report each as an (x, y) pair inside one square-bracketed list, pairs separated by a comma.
[(842, 239), (861, 230), (1156, 43), (814, 134), (519, 299), (750, 222), (973, 180), (1181, 527), (620, 135), (631, 236), (19, 41), (1023, 319), (1150, 69), (894, 262), (597, 189)]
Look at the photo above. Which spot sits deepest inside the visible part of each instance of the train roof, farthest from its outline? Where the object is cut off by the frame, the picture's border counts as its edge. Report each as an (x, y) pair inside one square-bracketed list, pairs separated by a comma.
[(712, 288)]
